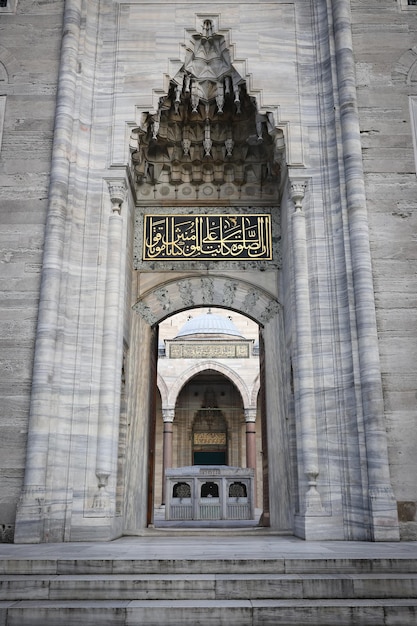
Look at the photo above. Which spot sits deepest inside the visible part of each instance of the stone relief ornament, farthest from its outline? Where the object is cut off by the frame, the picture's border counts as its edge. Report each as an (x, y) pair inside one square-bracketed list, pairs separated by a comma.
[(162, 296), (186, 292), (270, 311), (145, 312), (207, 291), (250, 301), (229, 293)]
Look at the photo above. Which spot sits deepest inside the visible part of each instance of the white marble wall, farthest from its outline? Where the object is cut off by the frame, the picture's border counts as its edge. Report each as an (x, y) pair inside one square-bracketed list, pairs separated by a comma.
[(115, 61), (384, 77), (29, 60)]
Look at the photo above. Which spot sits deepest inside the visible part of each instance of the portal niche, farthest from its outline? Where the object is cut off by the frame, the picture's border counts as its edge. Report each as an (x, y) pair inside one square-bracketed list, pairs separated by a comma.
[(209, 437), (207, 162), (209, 423)]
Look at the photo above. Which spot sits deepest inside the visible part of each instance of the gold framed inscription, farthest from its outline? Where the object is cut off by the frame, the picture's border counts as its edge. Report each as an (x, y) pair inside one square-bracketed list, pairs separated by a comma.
[(203, 237)]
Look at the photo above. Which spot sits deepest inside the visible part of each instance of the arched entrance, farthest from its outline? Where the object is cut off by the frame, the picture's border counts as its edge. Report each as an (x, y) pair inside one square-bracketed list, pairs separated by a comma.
[(275, 453), (208, 379)]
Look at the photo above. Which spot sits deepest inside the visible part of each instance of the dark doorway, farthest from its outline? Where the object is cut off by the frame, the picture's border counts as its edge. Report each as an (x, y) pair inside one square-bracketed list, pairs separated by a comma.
[(209, 458)]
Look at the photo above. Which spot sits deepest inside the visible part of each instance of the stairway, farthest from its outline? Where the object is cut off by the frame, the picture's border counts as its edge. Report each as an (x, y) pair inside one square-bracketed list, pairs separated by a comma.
[(208, 591)]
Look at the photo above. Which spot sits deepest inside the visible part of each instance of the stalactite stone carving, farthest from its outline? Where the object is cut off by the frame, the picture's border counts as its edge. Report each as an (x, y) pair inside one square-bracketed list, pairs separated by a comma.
[(207, 138)]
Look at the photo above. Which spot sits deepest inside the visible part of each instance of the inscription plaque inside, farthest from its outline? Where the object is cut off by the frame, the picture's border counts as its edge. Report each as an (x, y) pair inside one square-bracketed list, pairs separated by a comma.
[(210, 439), (206, 351), (207, 237)]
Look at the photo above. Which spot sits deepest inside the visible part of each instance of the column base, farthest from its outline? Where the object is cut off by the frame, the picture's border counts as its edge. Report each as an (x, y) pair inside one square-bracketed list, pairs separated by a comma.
[(318, 528), (30, 515), (39, 519), (384, 514)]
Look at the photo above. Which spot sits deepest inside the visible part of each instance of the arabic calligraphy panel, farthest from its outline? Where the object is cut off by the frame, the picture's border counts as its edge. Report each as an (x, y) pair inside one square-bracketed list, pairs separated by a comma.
[(214, 351), (214, 237)]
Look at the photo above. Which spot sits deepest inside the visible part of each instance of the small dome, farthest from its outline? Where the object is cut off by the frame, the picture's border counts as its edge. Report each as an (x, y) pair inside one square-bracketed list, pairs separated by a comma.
[(210, 324)]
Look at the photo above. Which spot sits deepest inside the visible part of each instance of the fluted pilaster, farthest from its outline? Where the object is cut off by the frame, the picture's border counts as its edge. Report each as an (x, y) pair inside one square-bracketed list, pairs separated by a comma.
[(110, 382)]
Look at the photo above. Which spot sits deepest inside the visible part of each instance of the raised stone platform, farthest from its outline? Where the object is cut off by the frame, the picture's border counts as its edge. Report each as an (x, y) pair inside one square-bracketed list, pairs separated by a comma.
[(226, 578)]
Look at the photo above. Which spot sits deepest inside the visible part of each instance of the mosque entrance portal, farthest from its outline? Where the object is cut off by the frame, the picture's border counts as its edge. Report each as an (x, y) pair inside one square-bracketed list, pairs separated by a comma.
[(208, 413), (209, 169)]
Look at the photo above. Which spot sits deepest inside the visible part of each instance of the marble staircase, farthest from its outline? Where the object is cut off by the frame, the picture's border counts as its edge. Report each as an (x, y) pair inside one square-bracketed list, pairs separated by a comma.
[(182, 591)]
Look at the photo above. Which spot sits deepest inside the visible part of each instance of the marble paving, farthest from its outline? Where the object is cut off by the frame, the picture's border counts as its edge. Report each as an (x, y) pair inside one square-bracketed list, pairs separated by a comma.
[(226, 544)]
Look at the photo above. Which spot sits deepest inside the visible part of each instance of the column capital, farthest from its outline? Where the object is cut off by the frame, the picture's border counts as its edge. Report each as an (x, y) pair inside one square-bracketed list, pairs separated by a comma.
[(250, 414), (168, 414), (297, 191), (117, 191)]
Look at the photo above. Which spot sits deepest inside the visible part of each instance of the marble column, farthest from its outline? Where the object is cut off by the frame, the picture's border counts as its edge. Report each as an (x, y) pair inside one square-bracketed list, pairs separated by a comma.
[(111, 359), (382, 504), (250, 423), (304, 358), (168, 419), (30, 511)]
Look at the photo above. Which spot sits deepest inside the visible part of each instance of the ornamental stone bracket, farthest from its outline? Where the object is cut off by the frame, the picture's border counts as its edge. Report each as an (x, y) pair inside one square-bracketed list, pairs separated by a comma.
[(194, 291)]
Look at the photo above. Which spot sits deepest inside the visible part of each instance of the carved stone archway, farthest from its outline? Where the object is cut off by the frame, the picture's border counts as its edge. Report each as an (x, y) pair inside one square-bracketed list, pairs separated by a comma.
[(207, 290)]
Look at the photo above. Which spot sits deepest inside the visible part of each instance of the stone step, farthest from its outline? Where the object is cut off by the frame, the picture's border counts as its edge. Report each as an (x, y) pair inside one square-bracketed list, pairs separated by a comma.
[(206, 586), (20, 566), (389, 612)]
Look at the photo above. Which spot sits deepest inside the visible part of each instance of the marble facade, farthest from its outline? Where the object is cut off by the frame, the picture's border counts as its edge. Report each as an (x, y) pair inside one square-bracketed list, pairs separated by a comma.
[(332, 107)]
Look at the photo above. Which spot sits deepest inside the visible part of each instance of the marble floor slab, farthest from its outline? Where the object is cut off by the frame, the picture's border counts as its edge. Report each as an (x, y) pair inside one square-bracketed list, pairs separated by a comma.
[(226, 544)]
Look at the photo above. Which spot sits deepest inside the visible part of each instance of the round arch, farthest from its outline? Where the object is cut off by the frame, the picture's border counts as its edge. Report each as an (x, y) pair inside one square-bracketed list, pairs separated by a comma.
[(192, 371), (9, 66), (178, 294), (405, 69)]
